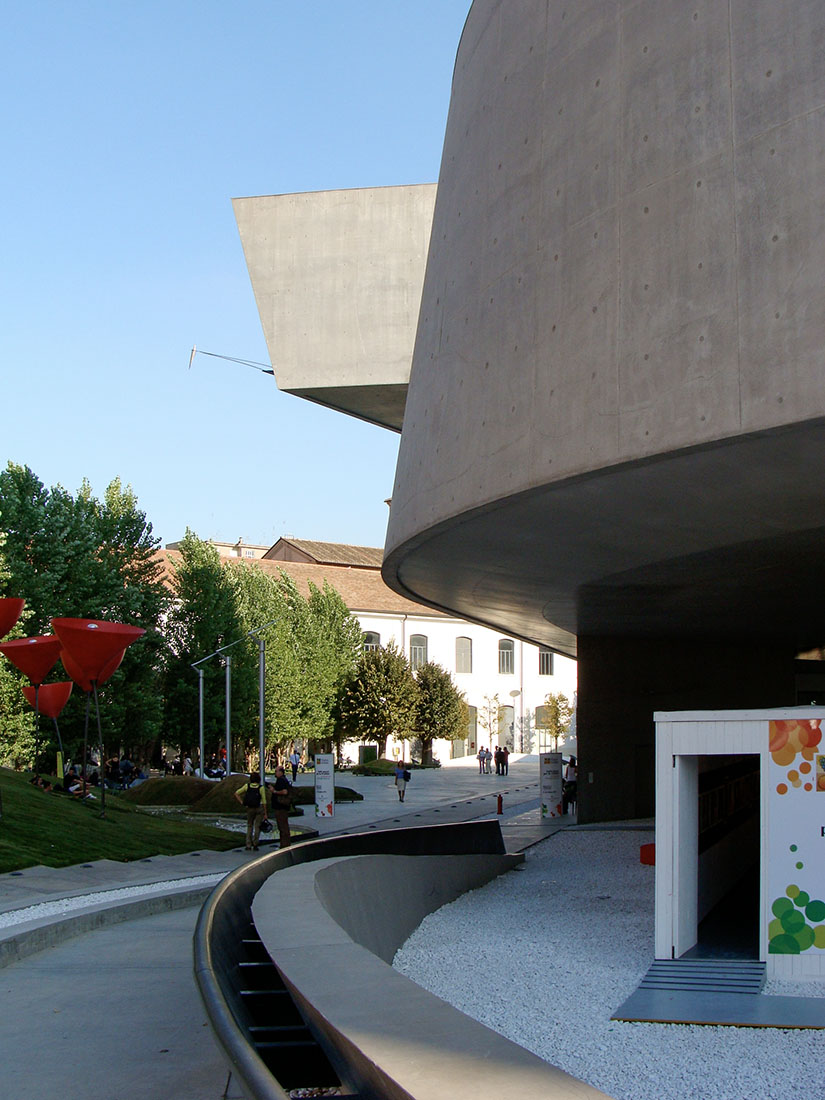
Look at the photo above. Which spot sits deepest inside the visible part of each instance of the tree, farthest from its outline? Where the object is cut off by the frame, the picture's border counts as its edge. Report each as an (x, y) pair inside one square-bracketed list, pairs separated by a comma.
[(489, 718), (557, 712), (379, 700), (205, 616), (79, 557), (16, 717), (440, 708)]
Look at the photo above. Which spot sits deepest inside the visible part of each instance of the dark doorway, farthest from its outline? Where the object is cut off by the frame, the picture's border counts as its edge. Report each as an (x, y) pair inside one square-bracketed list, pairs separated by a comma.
[(729, 858)]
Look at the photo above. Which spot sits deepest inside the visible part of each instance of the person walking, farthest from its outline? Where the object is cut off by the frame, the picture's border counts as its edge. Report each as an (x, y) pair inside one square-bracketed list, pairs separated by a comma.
[(402, 778), (252, 796), (281, 806), (294, 760)]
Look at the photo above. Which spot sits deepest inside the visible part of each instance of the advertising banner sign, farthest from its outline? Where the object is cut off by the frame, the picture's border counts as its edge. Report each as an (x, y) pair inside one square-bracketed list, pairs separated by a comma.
[(550, 784), (796, 845), (324, 785)]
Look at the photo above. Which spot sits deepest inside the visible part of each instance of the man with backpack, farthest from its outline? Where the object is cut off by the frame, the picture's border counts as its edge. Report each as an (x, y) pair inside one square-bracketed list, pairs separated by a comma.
[(252, 796)]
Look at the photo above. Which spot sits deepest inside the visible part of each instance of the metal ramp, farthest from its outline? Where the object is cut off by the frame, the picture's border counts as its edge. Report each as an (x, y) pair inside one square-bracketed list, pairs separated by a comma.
[(716, 991)]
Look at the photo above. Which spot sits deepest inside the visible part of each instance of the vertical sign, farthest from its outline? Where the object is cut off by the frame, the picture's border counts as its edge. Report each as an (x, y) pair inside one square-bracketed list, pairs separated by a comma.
[(796, 845), (550, 784), (324, 784)]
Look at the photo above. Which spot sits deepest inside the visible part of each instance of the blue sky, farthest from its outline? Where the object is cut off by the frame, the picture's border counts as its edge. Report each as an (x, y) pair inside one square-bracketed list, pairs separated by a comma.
[(129, 127)]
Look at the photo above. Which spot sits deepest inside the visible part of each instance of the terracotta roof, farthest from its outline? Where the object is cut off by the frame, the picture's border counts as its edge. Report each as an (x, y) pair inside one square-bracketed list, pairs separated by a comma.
[(362, 589), (329, 553)]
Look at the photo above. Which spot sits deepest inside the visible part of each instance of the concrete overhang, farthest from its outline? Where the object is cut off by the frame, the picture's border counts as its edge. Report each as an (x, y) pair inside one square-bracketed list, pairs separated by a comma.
[(721, 540), (337, 277)]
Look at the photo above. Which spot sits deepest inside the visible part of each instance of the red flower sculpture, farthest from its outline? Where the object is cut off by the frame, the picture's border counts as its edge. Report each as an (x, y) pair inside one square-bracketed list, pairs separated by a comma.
[(10, 609), (53, 697), (93, 644), (35, 657)]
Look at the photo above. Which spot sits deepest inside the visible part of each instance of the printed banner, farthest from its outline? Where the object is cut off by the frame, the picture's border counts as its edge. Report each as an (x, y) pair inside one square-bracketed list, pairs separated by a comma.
[(550, 784), (324, 785), (796, 841)]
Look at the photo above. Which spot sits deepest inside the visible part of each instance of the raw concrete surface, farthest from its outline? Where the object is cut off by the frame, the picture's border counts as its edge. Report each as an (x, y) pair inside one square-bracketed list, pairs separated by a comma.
[(113, 1015)]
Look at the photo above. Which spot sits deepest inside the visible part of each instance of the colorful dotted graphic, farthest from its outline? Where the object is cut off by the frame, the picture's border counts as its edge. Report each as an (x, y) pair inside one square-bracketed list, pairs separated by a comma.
[(799, 921), (793, 745)]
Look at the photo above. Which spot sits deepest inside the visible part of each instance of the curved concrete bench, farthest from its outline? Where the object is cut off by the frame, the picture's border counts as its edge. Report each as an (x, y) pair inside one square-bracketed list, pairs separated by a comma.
[(331, 920)]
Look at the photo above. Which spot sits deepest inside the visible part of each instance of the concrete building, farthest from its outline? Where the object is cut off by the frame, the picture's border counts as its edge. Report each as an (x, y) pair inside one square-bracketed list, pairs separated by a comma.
[(503, 679), (616, 407)]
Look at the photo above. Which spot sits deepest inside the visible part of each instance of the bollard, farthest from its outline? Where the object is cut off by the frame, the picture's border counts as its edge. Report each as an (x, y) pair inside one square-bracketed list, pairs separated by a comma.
[(500, 805)]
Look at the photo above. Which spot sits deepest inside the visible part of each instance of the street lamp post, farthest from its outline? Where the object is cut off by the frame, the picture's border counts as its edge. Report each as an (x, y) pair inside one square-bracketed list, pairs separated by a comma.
[(261, 677)]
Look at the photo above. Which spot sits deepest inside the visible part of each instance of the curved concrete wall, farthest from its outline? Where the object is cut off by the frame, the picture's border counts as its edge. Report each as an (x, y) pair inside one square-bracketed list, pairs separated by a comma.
[(619, 359)]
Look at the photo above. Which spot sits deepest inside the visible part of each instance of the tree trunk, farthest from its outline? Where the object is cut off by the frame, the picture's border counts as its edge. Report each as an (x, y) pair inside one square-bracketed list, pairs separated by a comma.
[(426, 750)]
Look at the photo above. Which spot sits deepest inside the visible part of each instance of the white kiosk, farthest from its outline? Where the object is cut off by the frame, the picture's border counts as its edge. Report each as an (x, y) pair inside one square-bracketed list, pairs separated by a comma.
[(740, 815)]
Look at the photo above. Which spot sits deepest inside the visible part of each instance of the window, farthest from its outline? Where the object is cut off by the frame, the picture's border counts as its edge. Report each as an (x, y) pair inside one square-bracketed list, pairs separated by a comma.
[(249, 553), (464, 654), (506, 657), (545, 661), (372, 641), (418, 651)]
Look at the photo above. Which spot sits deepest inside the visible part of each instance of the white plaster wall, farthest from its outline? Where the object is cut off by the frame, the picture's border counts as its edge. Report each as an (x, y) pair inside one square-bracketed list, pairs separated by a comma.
[(485, 679)]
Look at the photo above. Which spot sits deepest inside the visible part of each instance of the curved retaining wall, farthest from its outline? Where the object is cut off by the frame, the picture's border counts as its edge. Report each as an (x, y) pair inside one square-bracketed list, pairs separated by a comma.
[(331, 914)]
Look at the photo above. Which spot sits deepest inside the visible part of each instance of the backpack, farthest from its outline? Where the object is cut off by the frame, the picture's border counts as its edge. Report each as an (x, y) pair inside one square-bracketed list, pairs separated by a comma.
[(252, 796), (407, 777)]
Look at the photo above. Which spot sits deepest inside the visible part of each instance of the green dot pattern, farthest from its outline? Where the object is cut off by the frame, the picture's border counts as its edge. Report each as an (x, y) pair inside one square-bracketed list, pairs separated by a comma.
[(799, 921)]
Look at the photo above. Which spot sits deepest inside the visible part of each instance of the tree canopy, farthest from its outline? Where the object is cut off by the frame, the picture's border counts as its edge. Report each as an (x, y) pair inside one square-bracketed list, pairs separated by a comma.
[(380, 698), (440, 709), (78, 556)]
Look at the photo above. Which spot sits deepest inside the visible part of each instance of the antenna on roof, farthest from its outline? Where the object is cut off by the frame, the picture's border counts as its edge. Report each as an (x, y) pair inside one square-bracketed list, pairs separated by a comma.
[(264, 368)]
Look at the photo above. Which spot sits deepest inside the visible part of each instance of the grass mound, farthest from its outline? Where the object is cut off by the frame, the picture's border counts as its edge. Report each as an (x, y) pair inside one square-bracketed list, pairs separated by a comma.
[(172, 790), (381, 766), (51, 828)]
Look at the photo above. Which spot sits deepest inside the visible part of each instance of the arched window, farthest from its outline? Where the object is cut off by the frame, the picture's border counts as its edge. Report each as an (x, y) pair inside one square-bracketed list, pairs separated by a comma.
[(372, 641), (418, 651), (464, 654), (506, 657)]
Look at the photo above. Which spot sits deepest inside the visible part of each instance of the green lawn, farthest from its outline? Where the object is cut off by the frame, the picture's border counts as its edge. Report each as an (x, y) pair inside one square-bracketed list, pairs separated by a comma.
[(53, 829)]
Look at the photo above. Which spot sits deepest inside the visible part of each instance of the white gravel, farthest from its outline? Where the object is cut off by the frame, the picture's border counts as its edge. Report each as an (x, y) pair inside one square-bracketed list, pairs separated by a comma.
[(83, 901), (545, 954)]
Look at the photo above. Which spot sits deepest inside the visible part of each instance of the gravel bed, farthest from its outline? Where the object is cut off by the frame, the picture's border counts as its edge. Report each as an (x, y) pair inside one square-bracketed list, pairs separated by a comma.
[(83, 901), (545, 954)]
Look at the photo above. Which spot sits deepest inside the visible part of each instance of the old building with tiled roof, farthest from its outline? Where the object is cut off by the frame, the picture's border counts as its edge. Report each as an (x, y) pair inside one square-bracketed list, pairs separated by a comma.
[(483, 663)]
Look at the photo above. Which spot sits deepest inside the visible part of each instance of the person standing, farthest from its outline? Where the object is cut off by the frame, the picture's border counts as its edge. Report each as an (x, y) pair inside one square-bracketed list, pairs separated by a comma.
[(505, 761), (481, 757), (282, 803), (252, 796), (294, 760)]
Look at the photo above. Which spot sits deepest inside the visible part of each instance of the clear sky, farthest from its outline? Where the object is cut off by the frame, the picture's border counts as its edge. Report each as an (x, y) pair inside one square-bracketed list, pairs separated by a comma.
[(128, 129)]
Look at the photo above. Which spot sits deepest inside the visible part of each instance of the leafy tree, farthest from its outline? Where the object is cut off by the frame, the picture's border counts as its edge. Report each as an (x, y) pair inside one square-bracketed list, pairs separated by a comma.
[(556, 716), (204, 616), (80, 557), (440, 708), (16, 718), (489, 718), (379, 700), (312, 645)]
